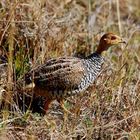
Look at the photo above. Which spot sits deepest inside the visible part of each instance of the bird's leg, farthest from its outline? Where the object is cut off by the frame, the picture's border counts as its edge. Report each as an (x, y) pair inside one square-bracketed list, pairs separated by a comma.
[(47, 104), (66, 112), (61, 101)]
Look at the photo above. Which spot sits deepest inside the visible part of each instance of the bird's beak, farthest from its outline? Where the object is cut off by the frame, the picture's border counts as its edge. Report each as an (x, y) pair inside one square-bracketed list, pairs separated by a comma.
[(122, 41)]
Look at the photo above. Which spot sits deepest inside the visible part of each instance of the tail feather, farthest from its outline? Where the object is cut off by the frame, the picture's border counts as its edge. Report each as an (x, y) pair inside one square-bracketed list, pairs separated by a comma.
[(26, 82)]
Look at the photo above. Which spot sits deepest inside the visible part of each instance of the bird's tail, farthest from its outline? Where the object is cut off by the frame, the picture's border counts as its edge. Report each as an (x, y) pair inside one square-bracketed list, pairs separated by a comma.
[(26, 82)]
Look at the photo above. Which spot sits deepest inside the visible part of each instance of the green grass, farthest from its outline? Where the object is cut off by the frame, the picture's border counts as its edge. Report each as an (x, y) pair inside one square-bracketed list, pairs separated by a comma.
[(32, 31)]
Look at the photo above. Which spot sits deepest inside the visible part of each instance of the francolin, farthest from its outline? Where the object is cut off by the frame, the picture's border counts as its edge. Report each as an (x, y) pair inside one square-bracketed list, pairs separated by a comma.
[(62, 77)]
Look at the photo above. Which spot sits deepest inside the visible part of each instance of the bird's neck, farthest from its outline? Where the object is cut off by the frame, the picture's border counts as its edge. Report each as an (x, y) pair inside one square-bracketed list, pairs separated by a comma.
[(95, 59), (94, 56), (101, 47)]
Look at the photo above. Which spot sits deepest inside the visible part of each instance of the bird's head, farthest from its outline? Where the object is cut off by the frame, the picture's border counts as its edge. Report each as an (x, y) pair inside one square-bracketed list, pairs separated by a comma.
[(108, 40)]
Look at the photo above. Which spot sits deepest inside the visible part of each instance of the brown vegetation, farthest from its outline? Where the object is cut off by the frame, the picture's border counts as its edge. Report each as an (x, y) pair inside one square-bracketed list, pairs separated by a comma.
[(32, 31)]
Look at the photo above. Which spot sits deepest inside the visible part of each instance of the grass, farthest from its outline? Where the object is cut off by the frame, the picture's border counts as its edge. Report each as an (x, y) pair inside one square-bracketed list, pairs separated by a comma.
[(32, 31)]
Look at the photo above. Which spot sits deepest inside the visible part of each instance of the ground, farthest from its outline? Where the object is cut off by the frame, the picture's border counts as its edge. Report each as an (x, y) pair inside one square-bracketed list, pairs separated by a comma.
[(32, 31)]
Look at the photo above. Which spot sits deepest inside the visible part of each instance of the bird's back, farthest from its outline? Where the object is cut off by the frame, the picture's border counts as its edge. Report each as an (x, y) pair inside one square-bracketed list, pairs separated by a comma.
[(63, 77)]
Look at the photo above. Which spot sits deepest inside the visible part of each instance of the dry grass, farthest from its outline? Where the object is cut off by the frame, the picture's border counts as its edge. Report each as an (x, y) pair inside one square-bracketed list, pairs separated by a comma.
[(32, 31)]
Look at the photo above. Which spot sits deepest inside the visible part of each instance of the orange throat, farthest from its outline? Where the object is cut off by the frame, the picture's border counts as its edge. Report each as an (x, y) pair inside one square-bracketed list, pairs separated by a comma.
[(102, 47)]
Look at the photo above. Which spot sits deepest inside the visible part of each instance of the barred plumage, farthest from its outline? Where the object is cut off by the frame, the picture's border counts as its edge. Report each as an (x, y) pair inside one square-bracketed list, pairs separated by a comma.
[(67, 76), (63, 77)]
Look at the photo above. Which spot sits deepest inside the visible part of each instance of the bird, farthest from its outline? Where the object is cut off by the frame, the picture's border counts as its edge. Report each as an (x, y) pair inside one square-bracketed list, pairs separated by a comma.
[(62, 77)]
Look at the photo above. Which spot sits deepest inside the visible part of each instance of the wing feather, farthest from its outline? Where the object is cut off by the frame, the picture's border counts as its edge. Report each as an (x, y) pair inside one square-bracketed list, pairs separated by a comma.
[(60, 74)]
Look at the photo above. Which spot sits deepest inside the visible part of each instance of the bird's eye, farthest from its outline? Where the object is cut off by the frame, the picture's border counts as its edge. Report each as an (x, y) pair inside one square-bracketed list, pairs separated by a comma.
[(113, 38)]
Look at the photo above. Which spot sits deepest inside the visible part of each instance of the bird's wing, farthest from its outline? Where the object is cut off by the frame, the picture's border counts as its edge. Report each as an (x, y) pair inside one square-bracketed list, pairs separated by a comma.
[(60, 73)]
